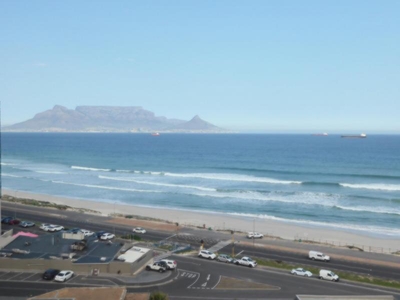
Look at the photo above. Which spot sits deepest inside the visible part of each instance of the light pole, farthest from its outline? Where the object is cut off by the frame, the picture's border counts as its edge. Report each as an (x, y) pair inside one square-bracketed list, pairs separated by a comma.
[(114, 217), (254, 229)]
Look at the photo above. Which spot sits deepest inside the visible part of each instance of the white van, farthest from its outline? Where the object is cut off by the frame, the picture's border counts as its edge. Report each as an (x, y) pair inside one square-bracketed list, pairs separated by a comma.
[(314, 255), (328, 275)]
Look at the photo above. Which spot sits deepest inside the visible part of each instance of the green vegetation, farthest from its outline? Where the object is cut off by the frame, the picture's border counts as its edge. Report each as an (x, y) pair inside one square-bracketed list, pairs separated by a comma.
[(158, 296), (35, 202), (130, 236), (342, 275), (45, 204)]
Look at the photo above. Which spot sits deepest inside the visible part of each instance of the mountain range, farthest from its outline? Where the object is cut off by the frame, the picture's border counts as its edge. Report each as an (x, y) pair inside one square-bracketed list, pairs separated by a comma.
[(109, 119)]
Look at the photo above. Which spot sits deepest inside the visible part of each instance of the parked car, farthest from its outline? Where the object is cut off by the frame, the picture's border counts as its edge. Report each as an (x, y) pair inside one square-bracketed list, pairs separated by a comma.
[(207, 254), (301, 272), (26, 224), (107, 236), (254, 235), (158, 266), (54, 228), (315, 255), (45, 226), (74, 230), (246, 261), (5, 220), (50, 274), (328, 275), (171, 264), (224, 258), (13, 221), (139, 230), (87, 232), (100, 233), (64, 275)]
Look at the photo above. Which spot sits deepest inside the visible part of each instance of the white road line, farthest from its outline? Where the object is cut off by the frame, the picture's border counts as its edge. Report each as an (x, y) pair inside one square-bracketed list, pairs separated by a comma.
[(14, 276), (239, 253), (30, 276), (208, 277), (5, 273), (198, 277), (217, 283)]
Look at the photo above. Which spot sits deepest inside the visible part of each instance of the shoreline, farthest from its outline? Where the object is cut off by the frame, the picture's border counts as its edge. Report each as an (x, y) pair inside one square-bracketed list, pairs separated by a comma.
[(220, 221)]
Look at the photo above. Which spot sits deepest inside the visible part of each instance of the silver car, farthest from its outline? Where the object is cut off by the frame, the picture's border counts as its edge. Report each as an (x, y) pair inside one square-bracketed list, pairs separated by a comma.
[(225, 258)]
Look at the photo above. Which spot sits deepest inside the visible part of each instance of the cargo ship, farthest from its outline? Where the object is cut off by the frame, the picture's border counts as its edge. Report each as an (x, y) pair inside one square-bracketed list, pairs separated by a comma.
[(360, 136)]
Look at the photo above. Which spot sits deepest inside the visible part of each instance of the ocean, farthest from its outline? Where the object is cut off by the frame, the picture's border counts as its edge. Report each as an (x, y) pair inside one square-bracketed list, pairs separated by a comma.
[(318, 181)]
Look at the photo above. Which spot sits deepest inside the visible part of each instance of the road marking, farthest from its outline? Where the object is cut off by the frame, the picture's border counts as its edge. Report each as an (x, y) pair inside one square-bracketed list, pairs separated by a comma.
[(30, 276), (204, 284), (198, 277), (239, 253), (208, 277), (183, 274), (217, 283), (14, 276)]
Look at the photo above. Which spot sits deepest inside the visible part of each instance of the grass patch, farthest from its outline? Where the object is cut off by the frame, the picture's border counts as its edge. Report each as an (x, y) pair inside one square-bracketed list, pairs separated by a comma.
[(35, 202), (342, 275)]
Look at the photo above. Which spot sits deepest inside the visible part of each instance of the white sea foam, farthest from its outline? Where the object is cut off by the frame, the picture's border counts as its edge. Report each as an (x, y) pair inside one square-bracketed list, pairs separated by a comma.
[(7, 164), (231, 177), (159, 183), (379, 210), (10, 175), (50, 172), (106, 187), (336, 225), (89, 169), (307, 198), (373, 186)]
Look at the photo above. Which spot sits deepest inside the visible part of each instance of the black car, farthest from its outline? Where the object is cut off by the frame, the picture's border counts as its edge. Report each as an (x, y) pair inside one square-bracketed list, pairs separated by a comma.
[(5, 220), (100, 233), (50, 274)]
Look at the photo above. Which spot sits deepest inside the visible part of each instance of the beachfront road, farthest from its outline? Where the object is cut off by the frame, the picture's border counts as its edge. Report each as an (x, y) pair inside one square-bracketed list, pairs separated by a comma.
[(96, 223), (204, 279)]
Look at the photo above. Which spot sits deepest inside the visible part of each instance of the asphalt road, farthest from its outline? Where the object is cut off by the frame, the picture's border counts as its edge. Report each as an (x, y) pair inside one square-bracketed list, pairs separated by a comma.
[(197, 278), (193, 237)]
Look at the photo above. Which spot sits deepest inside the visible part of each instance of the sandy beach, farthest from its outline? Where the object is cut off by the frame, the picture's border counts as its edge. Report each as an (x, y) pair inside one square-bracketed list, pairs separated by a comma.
[(216, 221)]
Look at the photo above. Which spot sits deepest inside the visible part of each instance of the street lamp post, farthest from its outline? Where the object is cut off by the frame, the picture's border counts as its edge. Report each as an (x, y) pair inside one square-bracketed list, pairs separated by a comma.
[(254, 230)]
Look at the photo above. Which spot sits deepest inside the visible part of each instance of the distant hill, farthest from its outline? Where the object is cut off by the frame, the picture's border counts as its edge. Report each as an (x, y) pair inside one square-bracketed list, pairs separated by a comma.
[(108, 119)]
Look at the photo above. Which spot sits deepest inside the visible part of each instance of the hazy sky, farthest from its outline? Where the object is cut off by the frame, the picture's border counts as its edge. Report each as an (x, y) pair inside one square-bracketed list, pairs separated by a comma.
[(268, 66)]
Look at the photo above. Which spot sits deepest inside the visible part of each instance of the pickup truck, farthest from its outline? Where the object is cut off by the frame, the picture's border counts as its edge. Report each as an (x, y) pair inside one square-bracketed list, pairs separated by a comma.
[(246, 261), (157, 266)]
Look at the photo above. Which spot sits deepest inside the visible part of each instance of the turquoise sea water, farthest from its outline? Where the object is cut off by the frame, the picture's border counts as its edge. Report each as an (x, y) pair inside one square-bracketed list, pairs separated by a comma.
[(353, 184)]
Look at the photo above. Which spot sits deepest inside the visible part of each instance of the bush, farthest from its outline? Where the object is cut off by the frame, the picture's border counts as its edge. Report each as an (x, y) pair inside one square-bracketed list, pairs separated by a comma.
[(158, 296)]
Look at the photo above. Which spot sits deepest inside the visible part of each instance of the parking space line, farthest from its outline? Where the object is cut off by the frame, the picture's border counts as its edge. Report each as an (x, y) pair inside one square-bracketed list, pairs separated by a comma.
[(4, 274), (30, 276), (14, 276)]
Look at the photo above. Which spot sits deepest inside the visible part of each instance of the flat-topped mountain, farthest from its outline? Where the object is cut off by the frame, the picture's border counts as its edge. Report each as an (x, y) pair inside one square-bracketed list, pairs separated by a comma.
[(108, 119)]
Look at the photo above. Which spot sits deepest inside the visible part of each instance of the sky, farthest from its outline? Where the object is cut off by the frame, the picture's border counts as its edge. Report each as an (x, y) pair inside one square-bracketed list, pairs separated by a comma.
[(251, 66)]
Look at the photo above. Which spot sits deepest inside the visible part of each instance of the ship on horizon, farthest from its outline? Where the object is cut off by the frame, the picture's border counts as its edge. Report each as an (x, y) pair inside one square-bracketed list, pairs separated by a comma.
[(360, 136), (321, 134)]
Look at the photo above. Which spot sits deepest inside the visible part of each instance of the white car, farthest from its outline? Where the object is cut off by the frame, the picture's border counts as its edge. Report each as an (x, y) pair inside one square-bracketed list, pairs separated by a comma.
[(207, 254), (254, 235), (107, 236), (64, 275), (45, 226), (246, 261), (87, 232), (54, 228), (315, 255), (139, 230), (171, 264), (301, 272)]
